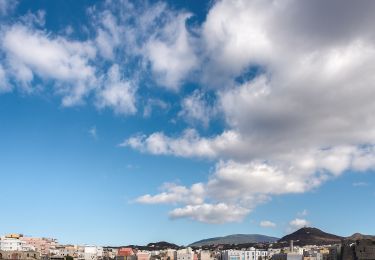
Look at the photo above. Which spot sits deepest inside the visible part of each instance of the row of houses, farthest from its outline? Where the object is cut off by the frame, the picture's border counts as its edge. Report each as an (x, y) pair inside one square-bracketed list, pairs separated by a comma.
[(17, 247)]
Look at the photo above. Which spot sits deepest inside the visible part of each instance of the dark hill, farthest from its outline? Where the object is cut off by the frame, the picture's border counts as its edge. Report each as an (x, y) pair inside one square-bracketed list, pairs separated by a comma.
[(235, 239), (311, 236), (162, 245), (359, 236)]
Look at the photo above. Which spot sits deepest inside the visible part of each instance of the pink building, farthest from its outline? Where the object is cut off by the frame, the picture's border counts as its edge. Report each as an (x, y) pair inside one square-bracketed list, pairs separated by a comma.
[(125, 251), (42, 245), (143, 256)]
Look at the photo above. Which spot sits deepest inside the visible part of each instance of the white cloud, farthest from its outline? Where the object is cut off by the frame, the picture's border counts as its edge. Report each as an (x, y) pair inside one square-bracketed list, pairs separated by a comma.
[(153, 103), (93, 132), (305, 118), (32, 53), (234, 38), (4, 84), (173, 193), (38, 18), (117, 93), (195, 108), (267, 224), (211, 213), (360, 184), (190, 144), (171, 54), (303, 213), (6, 6), (108, 34), (150, 38), (297, 223)]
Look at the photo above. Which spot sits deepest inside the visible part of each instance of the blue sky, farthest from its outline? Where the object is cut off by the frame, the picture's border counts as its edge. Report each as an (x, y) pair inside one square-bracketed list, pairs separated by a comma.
[(132, 122)]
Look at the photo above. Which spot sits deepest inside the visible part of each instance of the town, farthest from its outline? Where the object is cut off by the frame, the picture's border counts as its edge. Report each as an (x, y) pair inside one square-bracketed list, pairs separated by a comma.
[(312, 244)]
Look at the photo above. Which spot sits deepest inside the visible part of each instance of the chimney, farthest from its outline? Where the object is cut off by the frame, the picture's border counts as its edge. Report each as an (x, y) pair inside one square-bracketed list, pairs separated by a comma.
[(291, 246)]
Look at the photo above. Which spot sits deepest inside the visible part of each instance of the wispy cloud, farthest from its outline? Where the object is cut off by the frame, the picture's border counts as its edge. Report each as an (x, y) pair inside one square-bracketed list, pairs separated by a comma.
[(93, 132), (360, 184), (303, 213), (267, 224)]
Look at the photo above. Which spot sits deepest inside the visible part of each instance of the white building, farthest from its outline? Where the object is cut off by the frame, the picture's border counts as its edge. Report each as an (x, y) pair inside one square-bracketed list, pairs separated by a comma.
[(14, 244), (93, 252), (185, 254), (252, 254)]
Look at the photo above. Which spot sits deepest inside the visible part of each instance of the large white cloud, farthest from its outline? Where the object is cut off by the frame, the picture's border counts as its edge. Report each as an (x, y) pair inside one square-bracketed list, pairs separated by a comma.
[(307, 117), (33, 53)]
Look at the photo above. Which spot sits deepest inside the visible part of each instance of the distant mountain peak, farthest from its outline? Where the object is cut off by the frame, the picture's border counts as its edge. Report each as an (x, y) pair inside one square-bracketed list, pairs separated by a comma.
[(311, 236)]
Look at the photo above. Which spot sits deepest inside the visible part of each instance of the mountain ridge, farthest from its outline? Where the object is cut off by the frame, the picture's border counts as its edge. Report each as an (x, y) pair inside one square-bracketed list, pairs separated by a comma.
[(235, 239)]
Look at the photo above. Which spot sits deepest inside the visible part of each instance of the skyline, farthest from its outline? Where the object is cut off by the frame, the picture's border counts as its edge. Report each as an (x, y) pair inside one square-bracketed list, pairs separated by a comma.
[(127, 122)]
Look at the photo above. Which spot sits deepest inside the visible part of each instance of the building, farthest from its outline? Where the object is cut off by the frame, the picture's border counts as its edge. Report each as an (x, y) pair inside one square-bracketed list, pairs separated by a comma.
[(185, 254), (125, 253), (92, 252), (19, 255), (312, 256), (287, 256), (143, 255), (14, 244), (169, 254), (42, 245), (365, 249), (109, 253), (252, 254), (205, 255)]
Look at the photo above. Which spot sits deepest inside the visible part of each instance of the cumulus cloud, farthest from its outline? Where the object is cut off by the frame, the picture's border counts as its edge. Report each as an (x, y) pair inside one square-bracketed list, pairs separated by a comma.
[(150, 37), (108, 34), (195, 108), (117, 93), (173, 193), (304, 118), (33, 53), (153, 103), (170, 53), (125, 45), (267, 224), (211, 213), (190, 144)]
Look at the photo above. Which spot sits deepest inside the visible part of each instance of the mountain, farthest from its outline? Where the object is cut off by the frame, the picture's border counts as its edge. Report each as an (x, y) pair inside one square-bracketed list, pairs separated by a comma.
[(162, 245), (235, 239), (311, 236), (359, 236)]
